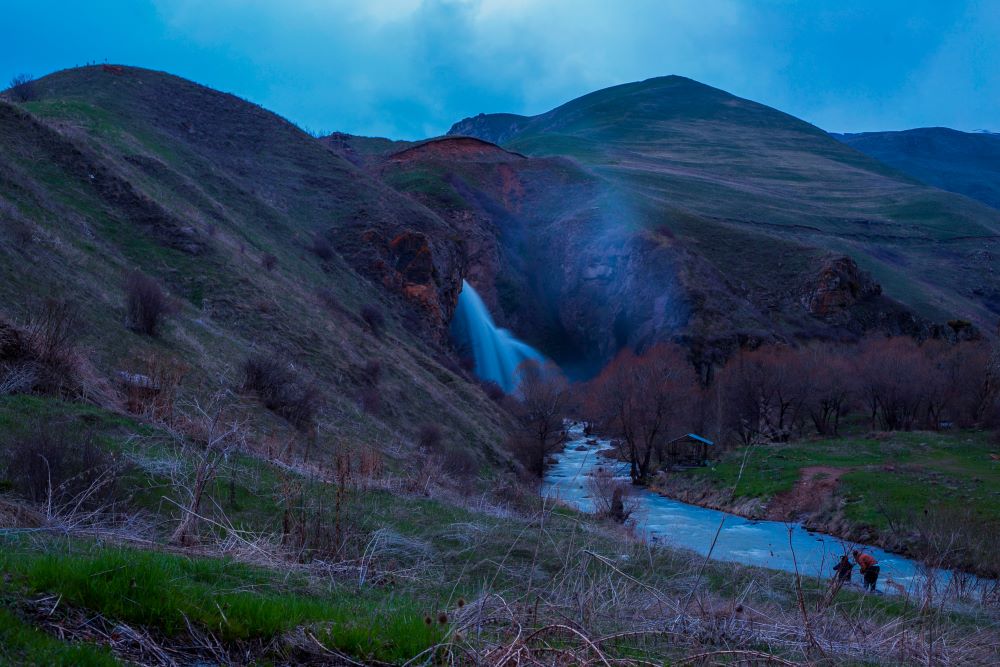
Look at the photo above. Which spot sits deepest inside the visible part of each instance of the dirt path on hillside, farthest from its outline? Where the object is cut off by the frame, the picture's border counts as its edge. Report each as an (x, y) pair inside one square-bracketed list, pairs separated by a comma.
[(810, 494)]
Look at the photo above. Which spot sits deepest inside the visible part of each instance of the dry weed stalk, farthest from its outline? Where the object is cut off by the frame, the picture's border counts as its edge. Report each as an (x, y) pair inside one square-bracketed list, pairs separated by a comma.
[(207, 438)]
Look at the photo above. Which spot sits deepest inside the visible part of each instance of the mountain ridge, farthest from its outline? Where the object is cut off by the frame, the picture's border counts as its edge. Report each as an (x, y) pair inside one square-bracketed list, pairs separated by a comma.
[(709, 165), (967, 163), (634, 214)]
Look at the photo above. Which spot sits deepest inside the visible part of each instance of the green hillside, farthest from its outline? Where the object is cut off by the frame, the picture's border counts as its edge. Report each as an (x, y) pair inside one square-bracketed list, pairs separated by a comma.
[(964, 162), (110, 172), (725, 173)]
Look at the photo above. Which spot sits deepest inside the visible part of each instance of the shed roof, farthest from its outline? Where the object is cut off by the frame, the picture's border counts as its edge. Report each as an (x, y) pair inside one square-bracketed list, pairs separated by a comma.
[(693, 436)]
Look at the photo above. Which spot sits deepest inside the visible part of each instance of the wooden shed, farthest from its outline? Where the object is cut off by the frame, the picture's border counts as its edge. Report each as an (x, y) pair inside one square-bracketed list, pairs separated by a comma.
[(689, 449)]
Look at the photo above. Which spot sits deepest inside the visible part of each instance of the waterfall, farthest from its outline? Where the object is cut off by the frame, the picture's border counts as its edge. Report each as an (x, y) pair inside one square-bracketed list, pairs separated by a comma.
[(496, 352)]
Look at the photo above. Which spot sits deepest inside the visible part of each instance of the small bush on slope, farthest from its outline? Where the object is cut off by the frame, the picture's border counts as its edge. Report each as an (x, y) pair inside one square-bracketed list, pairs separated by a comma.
[(322, 248), (22, 88), (40, 357), (281, 391), (146, 305), (374, 318), (52, 462)]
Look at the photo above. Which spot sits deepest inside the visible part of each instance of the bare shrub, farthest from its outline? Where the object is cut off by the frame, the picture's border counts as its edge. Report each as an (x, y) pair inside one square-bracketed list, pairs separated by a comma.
[(371, 373), (22, 88), (540, 406), (613, 498), (264, 376), (322, 248), (52, 329), (946, 537), (374, 318), (150, 387), (493, 391), (460, 463), (302, 406), (371, 464), (269, 262), (427, 474), (206, 439), (41, 357), (306, 530), (371, 400), (146, 304), (283, 392), (456, 461), (430, 437), (524, 449), (517, 492), (58, 464)]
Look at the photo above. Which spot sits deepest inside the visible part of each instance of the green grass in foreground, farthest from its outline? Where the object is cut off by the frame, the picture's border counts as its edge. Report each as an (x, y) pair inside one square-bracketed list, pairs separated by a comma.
[(233, 601), (21, 644)]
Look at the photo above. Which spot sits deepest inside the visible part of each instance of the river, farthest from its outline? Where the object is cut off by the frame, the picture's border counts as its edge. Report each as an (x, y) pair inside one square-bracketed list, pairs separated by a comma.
[(673, 523)]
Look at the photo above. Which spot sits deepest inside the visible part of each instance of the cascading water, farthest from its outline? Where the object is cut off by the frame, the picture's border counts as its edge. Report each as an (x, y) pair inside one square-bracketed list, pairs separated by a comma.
[(496, 352)]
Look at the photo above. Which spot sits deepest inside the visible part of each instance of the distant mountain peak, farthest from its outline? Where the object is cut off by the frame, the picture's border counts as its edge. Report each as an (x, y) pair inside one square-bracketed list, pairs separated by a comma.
[(964, 162)]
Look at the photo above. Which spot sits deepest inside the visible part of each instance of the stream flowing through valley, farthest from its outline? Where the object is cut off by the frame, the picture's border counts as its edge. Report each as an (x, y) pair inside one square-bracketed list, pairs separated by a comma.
[(673, 523)]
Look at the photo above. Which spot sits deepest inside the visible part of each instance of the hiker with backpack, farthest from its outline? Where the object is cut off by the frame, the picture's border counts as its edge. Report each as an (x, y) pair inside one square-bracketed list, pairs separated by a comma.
[(869, 569)]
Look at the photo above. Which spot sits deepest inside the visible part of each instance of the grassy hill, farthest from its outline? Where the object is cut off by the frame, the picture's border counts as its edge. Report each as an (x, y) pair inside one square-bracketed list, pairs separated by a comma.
[(964, 162), (111, 171), (760, 194)]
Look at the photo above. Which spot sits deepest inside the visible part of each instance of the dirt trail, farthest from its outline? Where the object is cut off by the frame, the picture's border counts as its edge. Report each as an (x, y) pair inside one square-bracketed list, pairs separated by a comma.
[(810, 494)]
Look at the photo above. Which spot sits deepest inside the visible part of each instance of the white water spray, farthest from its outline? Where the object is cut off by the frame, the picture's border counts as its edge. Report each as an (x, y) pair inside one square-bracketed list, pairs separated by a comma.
[(497, 352)]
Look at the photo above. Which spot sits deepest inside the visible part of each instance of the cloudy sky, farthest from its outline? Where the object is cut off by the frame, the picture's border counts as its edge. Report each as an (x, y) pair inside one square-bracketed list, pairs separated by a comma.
[(410, 68)]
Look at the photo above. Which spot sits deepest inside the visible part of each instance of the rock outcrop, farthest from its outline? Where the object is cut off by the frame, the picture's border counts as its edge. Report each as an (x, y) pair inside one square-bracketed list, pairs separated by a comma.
[(838, 285)]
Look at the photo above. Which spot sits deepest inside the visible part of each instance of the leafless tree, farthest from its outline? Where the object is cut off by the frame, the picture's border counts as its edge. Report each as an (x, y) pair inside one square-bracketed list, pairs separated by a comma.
[(829, 384), (22, 88), (640, 400), (892, 375), (540, 406)]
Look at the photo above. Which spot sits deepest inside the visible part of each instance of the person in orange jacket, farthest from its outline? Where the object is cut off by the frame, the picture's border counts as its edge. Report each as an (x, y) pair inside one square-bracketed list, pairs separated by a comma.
[(868, 567)]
